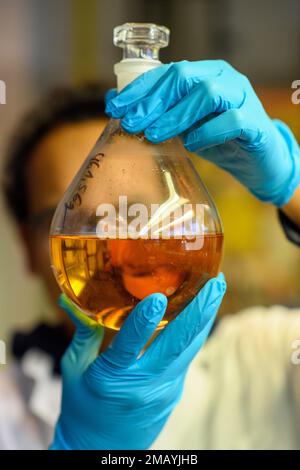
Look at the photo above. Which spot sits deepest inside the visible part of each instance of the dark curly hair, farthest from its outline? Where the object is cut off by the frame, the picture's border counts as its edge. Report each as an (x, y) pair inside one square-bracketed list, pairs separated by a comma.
[(61, 106)]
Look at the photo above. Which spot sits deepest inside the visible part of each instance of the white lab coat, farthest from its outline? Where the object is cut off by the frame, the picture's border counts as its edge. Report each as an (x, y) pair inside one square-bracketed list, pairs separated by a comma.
[(242, 391)]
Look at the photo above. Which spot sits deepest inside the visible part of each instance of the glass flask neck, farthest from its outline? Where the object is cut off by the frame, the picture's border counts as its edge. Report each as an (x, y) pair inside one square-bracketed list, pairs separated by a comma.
[(141, 40), (140, 43), (140, 51)]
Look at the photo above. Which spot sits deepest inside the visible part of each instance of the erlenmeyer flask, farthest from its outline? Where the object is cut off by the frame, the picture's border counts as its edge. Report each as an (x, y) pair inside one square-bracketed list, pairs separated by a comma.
[(136, 219)]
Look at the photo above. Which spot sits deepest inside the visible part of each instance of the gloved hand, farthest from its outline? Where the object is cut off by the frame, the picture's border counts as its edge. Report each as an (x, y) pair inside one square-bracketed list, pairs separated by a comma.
[(118, 400), (216, 111)]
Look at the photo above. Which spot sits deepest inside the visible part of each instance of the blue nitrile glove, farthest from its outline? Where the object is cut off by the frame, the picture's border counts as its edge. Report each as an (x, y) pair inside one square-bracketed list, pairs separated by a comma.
[(216, 111), (118, 400)]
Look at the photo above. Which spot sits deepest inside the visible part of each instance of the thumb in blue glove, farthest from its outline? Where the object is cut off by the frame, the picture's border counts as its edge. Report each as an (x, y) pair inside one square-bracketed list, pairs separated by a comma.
[(121, 399)]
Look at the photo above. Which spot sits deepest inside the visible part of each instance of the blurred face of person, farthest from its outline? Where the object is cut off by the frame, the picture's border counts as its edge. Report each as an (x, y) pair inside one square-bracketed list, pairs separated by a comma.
[(51, 168)]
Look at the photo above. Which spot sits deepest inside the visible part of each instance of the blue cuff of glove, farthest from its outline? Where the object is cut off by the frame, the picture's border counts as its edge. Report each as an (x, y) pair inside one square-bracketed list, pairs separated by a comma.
[(295, 157)]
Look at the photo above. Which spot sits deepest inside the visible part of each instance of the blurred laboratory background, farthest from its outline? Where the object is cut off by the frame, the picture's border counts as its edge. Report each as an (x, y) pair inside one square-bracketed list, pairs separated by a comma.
[(69, 42)]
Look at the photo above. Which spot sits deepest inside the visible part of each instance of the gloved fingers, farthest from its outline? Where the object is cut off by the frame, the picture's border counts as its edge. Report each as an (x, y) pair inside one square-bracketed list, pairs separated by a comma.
[(227, 126), (86, 342), (110, 94), (173, 86), (172, 342), (134, 92), (184, 360), (135, 332), (168, 90), (143, 114), (169, 82), (204, 100)]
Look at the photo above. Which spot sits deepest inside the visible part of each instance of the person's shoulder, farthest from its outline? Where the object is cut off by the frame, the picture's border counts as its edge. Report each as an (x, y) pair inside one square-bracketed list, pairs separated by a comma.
[(257, 331), (254, 322)]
